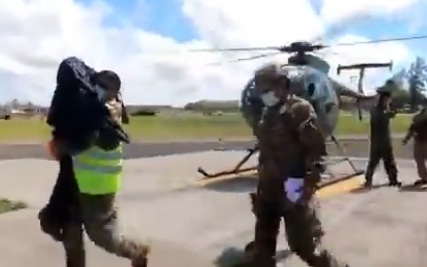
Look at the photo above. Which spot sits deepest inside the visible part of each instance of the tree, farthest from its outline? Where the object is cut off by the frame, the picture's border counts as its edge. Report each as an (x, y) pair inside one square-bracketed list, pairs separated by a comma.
[(15, 103), (417, 78), (401, 98)]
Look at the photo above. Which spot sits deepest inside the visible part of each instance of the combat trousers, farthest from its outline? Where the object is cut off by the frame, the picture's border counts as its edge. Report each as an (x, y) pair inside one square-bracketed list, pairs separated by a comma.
[(420, 157), (303, 231), (380, 151), (98, 218)]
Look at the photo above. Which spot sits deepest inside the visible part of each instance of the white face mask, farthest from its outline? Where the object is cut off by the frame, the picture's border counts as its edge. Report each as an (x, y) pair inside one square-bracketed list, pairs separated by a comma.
[(270, 99)]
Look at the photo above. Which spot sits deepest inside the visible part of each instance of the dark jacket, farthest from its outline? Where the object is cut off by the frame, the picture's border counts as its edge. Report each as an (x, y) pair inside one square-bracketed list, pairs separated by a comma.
[(380, 124)]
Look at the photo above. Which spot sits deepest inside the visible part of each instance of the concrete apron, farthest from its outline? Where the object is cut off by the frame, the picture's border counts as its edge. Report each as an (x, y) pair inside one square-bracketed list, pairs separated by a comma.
[(202, 227)]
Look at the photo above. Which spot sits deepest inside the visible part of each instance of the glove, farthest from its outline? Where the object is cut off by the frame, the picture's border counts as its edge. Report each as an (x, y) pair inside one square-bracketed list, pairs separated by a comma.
[(294, 189)]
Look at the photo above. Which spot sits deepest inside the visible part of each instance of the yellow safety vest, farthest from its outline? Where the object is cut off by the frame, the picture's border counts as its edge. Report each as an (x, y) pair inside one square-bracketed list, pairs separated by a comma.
[(98, 171)]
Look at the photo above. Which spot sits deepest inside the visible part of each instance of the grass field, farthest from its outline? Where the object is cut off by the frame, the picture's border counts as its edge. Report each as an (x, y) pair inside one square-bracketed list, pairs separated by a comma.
[(182, 127)]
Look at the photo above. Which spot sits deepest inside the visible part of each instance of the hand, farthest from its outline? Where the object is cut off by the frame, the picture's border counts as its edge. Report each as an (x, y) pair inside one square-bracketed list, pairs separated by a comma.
[(52, 149)]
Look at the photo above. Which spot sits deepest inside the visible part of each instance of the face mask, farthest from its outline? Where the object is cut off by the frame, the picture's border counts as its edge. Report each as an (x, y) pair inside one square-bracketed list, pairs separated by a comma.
[(270, 99)]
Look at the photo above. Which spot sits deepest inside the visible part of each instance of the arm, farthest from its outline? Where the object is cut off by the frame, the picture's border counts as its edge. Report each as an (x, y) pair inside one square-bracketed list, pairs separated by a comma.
[(125, 116), (391, 114), (312, 139), (409, 133)]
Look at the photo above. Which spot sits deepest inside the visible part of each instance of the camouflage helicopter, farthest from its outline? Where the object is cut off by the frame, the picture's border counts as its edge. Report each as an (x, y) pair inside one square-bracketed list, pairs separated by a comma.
[(310, 80)]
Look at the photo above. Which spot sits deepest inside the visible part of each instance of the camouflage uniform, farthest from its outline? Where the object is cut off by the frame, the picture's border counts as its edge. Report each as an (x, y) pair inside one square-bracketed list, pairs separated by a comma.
[(290, 144), (418, 130), (97, 215)]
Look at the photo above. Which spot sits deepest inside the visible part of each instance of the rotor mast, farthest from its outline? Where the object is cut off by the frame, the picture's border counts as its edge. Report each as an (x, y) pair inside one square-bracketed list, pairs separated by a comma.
[(362, 67)]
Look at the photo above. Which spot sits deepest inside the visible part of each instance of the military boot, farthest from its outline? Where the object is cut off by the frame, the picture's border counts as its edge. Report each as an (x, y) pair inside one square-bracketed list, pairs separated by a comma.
[(420, 182), (141, 262), (141, 259), (395, 183)]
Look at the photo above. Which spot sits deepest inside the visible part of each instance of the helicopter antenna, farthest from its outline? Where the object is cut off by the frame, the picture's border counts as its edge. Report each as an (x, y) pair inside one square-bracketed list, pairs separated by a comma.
[(362, 67)]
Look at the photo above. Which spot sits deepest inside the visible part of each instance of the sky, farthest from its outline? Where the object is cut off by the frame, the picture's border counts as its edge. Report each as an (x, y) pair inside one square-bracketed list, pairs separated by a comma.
[(148, 42)]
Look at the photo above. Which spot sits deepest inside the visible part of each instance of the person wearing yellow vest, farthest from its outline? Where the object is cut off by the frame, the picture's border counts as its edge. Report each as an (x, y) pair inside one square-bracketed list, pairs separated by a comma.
[(98, 174)]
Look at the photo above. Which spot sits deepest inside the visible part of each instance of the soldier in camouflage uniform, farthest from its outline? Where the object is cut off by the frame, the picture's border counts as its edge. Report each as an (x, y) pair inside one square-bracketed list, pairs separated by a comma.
[(291, 149), (380, 139), (418, 130), (97, 213)]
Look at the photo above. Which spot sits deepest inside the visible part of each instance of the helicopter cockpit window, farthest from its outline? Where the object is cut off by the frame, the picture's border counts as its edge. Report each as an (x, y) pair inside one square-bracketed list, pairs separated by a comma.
[(317, 85), (311, 89)]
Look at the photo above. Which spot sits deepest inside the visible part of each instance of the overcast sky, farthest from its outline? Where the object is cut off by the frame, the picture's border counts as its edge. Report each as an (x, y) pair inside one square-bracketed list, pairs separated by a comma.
[(145, 41)]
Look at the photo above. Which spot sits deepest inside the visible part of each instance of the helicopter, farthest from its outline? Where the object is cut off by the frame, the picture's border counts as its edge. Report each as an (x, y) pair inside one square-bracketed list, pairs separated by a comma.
[(310, 80)]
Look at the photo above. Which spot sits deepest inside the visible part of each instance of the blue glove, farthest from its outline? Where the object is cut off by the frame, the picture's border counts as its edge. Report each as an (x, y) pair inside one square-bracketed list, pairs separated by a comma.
[(294, 188)]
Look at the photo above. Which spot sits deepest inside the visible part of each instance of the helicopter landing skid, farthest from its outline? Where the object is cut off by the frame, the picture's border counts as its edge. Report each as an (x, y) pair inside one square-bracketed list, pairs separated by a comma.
[(337, 169), (238, 169)]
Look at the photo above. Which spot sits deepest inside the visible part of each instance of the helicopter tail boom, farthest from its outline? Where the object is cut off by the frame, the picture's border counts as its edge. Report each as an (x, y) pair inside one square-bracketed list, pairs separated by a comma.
[(362, 67)]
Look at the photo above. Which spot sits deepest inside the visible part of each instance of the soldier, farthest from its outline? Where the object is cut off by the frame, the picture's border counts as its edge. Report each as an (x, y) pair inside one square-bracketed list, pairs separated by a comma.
[(380, 139), (291, 148), (418, 130), (98, 173)]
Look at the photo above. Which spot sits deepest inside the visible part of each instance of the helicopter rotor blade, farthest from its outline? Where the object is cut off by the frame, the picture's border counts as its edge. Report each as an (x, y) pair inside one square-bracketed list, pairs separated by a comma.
[(243, 49), (383, 40), (246, 59), (280, 48)]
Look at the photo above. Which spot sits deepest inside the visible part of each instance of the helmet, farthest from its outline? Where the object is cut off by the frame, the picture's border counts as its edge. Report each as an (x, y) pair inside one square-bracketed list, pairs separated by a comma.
[(270, 75), (387, 88), (110, 76)]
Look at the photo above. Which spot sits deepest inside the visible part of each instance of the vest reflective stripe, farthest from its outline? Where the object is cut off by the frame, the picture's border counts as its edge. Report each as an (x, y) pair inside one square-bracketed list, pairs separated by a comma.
[(98, 171), (99, 154)]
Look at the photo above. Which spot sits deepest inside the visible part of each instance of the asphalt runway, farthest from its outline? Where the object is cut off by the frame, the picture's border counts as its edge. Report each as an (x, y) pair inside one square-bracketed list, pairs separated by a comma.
[(356, 146)]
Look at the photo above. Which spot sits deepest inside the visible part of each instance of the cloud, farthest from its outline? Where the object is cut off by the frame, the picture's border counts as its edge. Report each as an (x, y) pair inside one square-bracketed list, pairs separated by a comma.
[(37, 34), (333, 11)]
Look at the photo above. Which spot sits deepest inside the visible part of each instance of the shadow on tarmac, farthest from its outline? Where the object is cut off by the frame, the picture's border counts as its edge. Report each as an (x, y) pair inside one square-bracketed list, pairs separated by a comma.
[(412, 188), (234, 257), (238, 184)]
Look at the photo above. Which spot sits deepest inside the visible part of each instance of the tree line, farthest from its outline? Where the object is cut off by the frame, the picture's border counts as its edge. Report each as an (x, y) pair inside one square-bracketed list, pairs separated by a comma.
[(409, 85)]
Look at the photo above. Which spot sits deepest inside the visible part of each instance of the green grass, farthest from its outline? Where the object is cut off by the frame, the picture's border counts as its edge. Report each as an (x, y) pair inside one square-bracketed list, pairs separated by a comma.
[(349, 124), (175, 127), (7, 205)]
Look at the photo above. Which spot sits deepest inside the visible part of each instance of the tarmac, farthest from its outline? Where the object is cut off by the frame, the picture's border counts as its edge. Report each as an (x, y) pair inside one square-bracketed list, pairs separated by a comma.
[(194, 223)]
